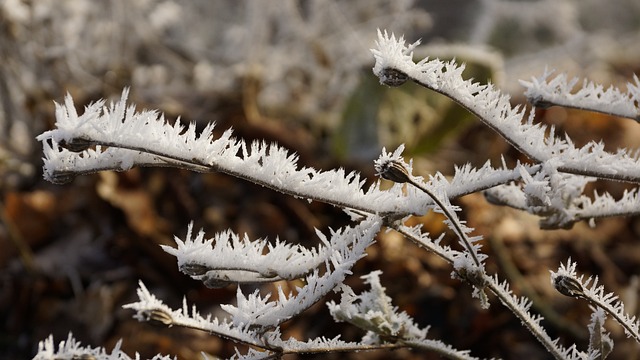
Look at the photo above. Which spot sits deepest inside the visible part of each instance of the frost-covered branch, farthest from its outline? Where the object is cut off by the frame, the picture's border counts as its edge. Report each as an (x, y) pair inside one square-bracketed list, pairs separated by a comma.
[(116, 137), (394, 66), (372, 311), (556, 197), (150, 308), (568, 208), (567, 282), (257, 311), (545, 91), (144, 138), (518, 306), (72, 349), (254, 316), (392, 167), (227, 258)]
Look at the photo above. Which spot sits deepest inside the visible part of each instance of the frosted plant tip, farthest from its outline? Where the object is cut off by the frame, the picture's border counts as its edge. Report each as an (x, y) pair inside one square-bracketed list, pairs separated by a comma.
[(392, 77)]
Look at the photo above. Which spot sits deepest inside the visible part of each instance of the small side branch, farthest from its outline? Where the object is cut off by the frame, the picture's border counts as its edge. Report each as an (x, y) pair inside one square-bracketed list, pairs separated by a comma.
[(518, 306), (545, 91)]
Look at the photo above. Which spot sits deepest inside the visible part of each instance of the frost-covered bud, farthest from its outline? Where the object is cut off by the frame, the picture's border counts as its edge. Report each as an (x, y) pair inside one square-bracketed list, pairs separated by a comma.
[(568, 286), (194, 269), (76, 144), (392, 77), (393, 170), (494, 197)]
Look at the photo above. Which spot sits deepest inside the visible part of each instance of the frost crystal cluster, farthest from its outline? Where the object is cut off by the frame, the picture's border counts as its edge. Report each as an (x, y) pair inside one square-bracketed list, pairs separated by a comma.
[(550, 185)]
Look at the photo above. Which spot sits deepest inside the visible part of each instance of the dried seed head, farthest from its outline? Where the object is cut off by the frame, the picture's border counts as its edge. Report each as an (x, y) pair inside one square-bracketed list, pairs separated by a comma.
[(393, 170), (392, 77), (159, 316), (568, 286)]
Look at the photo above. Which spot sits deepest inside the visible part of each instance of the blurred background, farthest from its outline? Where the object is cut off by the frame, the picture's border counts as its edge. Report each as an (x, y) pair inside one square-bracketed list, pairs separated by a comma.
[(297, 73)]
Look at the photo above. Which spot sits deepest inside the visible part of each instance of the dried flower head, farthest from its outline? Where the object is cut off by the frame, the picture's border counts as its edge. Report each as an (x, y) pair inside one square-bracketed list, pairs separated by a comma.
[(159, 316)]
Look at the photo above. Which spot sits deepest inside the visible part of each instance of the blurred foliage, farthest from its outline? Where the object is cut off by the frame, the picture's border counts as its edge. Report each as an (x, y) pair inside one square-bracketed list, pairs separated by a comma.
[(376, 115)]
